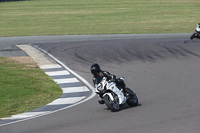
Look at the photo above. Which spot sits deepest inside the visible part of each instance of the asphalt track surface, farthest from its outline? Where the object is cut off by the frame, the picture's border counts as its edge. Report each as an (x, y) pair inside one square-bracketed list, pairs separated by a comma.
[(162, 69)]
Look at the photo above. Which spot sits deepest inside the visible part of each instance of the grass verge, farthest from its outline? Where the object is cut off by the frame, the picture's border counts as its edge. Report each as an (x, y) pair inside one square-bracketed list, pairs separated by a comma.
[(23, 86), (55, 17)]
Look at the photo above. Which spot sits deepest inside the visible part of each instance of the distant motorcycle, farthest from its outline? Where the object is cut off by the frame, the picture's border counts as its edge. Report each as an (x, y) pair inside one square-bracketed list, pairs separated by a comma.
[(114, 96), (196, 34)]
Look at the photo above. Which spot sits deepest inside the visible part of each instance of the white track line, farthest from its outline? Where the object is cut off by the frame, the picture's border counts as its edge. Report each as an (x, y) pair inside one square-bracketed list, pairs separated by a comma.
[(66, 80), (25, 115), (75, 89), (70, 100), (58, 73)]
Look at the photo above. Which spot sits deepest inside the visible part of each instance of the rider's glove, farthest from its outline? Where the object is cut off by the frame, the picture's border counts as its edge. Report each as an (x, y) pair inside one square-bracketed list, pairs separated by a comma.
[(111, 80)]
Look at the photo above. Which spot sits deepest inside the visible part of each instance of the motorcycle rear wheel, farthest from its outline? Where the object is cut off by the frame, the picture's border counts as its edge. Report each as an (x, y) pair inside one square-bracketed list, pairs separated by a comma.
[(133, 99), (112, 105)]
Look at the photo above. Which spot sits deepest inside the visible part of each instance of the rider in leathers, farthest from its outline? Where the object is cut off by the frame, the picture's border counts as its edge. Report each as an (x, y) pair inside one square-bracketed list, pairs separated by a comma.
[(197, 32), (99, 75)]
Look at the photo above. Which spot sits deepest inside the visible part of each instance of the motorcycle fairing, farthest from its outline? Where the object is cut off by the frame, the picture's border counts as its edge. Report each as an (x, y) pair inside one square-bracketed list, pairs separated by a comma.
[(112, 86)]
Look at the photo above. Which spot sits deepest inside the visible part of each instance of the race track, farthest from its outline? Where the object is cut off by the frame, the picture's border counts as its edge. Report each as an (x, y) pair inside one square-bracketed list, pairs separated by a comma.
[(162, 70)]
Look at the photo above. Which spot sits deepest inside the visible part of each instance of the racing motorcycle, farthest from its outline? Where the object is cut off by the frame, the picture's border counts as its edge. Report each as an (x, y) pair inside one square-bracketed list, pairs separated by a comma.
[(196, 34), (114, 96)]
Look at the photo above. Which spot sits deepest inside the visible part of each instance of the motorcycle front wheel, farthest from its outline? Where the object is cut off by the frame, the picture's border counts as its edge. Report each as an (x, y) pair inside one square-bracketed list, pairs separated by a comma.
[(192, 36), (112, 105)]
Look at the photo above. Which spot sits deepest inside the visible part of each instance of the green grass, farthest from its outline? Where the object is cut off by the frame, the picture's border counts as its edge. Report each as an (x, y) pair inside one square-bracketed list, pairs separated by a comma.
[(24, 88), (55, 17)]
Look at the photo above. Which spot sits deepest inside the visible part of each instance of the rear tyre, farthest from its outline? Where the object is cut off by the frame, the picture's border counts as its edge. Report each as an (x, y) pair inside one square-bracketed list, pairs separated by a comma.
[(112, 105), (133, 99)]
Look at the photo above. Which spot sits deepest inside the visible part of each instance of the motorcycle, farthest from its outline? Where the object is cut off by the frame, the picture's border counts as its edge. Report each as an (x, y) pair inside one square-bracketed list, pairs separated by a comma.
[(114, 96), (196, 34)]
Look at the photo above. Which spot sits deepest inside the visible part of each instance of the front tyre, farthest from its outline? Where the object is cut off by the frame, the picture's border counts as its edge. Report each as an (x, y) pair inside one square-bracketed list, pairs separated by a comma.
[(112, 105), (193, 36), (132, 98)]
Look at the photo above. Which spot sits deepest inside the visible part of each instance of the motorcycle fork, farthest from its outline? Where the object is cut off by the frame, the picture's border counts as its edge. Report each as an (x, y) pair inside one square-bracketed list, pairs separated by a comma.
[(115, 97)]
